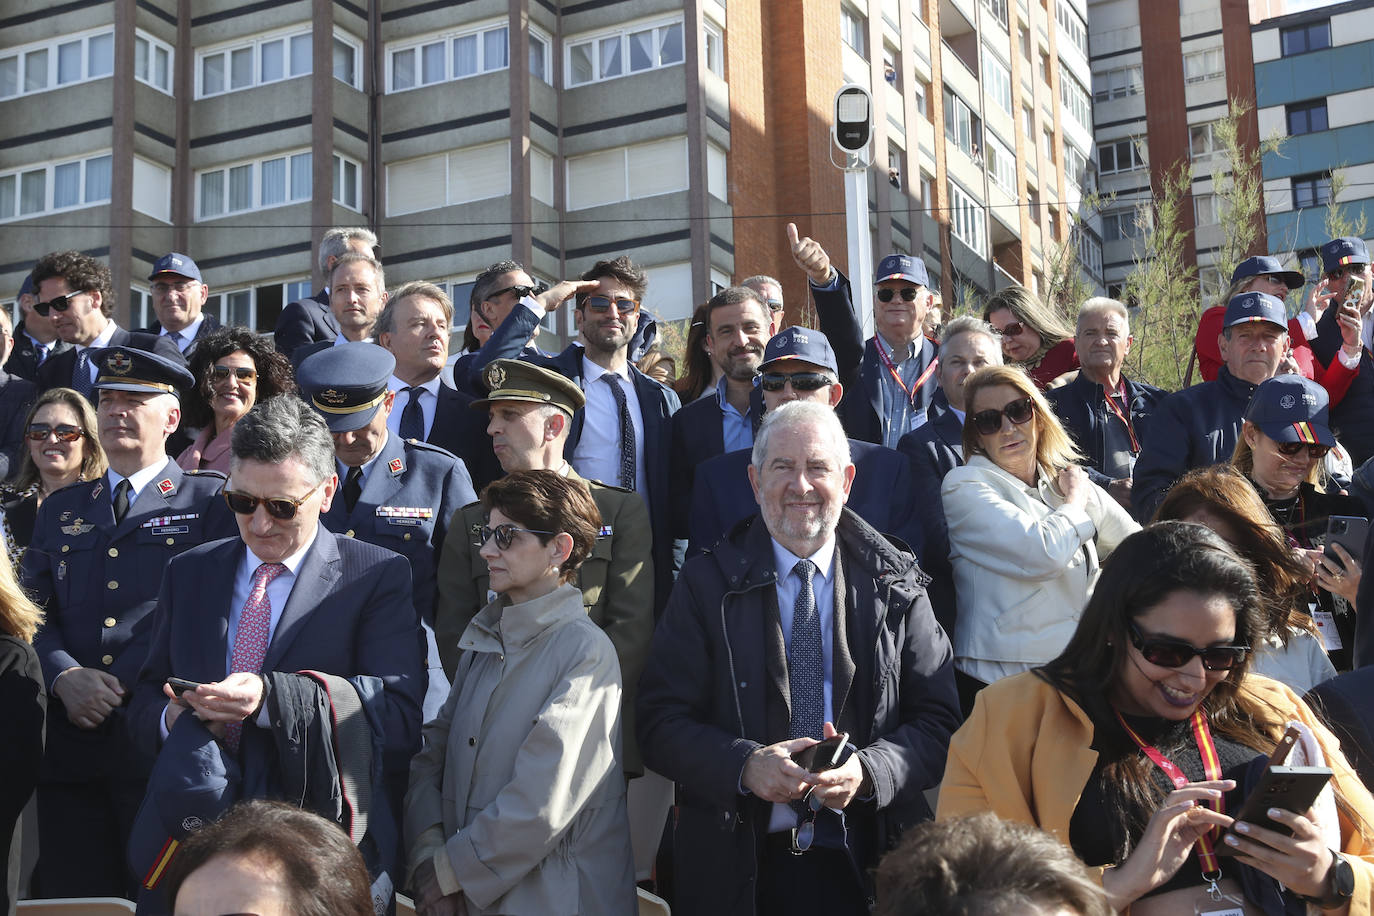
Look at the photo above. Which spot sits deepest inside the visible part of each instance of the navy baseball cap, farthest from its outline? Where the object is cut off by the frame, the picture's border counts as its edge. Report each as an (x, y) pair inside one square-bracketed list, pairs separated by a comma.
[(1290, 408), (1255, 306), (26, 289), (801, 344), (1337, 253), (1262, 265), (346, 384), (131, 369), (902, 267), (176, 263)]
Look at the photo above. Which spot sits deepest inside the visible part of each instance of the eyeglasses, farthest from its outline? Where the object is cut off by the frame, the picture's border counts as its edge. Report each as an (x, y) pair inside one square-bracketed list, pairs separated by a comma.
[(520, 291), (504, 534), (1014, 329), (1175, 653), (908, 294), (65, 432), (180, 286), (1350, 270), (58, 304), (1314, 452), (805, 833), (603, 303), (989, 421), (801, 381), (242, 373), (282, 508)]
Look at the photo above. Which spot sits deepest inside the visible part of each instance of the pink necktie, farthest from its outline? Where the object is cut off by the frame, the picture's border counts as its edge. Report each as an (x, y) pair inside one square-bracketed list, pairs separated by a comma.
[(250, 643)]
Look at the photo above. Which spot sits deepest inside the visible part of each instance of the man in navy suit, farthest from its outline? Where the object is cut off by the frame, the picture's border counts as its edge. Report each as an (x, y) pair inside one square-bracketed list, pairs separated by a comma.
[(75, 289), (310, 320), (285, 596), (179, 296), (34, 339), (495, 294)]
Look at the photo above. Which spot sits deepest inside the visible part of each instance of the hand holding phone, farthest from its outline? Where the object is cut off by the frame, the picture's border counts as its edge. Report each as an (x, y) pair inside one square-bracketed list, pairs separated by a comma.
[(180, 685), (828, 754)]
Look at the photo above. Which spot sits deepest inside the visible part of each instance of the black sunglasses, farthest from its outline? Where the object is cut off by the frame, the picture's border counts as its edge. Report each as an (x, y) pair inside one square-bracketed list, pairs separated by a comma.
[(279, 507), (39, 432), (504, 534), (801, 381), (1315, 452), (1175, 653), (774, 305), (58, 304), (242, 373), (908, 293), (520, 291), (603, 303), (989, 421), (805, 833)]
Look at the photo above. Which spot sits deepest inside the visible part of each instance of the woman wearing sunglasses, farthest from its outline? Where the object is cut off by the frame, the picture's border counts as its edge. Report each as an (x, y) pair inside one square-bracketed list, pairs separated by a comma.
[(1290, 648), (517, 803), (1026, 527), (1033, 336), (62, 448), (234, 369), (1154, 682), (1285, 436)]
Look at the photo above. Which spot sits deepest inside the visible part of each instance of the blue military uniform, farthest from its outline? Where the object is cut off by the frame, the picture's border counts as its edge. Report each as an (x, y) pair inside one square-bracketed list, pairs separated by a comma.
[(98, 580)]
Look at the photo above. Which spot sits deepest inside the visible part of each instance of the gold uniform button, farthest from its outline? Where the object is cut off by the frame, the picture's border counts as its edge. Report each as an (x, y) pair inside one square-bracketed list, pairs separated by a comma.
[(171, 541), (114, 552), (107, 659), (349, 533), (110, 621), (407, 537), (66, 547), (112, 585)]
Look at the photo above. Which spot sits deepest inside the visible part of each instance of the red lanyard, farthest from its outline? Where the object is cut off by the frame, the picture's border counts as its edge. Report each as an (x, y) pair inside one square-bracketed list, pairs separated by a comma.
[(920, 380), (1124, 417), (1211, 766)]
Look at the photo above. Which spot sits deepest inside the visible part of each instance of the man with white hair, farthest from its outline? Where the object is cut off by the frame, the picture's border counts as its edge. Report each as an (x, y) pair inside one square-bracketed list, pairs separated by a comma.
[(1106, 413), (310, 320), (805, 624)]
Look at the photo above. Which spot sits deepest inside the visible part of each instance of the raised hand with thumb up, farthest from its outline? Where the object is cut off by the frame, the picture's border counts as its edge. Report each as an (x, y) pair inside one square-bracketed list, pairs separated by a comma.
[(810, 256)]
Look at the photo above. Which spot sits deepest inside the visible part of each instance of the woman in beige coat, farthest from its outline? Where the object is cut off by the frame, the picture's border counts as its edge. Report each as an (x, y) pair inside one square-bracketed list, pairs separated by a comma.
[(517, 802)]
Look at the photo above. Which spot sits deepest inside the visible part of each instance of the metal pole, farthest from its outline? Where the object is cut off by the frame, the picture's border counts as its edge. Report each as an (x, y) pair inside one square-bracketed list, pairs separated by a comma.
[(860, 242)]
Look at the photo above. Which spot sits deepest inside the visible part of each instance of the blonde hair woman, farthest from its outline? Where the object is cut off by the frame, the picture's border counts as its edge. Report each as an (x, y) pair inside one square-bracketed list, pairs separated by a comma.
[(1034, 336), (24, 703)]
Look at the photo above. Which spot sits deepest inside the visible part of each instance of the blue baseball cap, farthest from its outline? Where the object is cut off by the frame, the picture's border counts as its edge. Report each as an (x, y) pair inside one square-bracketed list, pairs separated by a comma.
[(1290, 408), (176, 263), (902, 267), (801, 344), (1262, 265), (346, 384), (132, 369), (1337, 253), (26, 288), (1255, 306)]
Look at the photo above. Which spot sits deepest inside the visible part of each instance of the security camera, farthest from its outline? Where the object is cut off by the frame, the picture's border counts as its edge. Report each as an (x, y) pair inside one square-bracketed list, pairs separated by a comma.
[(853, 125)]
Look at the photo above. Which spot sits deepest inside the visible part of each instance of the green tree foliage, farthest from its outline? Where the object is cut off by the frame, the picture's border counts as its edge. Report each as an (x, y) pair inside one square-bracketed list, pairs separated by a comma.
[(1164, 286)]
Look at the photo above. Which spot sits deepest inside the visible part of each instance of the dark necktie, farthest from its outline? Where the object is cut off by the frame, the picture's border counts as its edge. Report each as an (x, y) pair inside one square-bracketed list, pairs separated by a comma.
[(352, 488), (627, 432), (413, 418), (81, 381), (42, 353), (121, 500), (805, 660)]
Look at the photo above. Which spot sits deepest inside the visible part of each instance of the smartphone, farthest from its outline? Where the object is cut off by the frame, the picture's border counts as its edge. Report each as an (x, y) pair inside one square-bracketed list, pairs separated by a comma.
[(1290, 788), (180, 685), (1354, 292), (827, 755), (1350, 531)]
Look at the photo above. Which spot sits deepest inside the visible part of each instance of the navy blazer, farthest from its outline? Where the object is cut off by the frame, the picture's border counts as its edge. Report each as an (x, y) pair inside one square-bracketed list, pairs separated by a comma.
[(57, 371), (1346, 703), (207, 327), (349, 614), (305, 321), (1082, 408), (16, 396), (23, 360), (935, 448), (860, 366), (697, 438)]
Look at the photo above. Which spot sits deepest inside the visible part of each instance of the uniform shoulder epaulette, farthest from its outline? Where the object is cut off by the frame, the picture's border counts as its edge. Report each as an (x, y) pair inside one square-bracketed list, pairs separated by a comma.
[(425, 446), (205, 472)]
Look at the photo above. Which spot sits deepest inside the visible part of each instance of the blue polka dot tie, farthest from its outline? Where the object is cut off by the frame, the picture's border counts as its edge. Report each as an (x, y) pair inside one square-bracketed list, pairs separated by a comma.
[(805, 661)]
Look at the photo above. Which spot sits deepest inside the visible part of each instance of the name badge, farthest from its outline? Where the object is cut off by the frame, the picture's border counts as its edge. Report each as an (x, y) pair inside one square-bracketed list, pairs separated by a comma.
[(173, 529), (1326, 628), (412, 522)]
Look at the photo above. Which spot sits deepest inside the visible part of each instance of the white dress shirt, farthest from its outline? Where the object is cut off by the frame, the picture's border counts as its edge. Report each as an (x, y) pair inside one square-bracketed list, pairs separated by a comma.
[(597, 456), (429, 403)]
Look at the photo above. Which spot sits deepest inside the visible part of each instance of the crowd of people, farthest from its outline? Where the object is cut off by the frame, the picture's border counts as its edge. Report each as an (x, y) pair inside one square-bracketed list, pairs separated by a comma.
[(955, 618)]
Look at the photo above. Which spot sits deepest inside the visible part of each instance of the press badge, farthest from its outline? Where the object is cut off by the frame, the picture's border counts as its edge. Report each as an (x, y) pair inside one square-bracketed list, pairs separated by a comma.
[(1326, 627)]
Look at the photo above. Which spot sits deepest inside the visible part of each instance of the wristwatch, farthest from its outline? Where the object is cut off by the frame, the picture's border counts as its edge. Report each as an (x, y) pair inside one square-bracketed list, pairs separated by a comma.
[(1340, 885)]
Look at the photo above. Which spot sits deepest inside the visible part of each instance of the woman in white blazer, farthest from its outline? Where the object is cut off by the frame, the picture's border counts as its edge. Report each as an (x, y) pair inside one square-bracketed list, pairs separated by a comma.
[(1026, 530)]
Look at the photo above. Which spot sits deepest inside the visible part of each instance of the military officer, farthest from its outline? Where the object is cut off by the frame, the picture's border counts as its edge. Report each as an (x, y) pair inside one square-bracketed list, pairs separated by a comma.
[(396, 493), (530, 411), (95, 564)]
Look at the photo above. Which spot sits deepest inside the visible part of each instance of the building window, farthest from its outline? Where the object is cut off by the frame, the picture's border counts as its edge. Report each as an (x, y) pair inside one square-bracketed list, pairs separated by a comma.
[(152, 62), (627, 173), (346, 54), (998, 9), (1048, 145), (256, 185), (1121, 156), (1028, 122), (1024, 35), (1300, 39), (1119, 225), (233, 308), (1307, 117), (1046, 73), (52, 64), (442, 57), (346, 182), (1203, 142), (63, 185), (714, 40), (1001, 164), (927, 190), (1076, 168), (1071, 26), (622, 52), (540, 46), (1074, 99), (1052, 223), (1033, 204), (256, 62), (922, 93), (717, 172), (1089, 251), (1205, 210), (966, 218), (1118, 83), (448, 179), (1203, 65), (1311, 190), (962, 126), (997, 79), (854, 29)]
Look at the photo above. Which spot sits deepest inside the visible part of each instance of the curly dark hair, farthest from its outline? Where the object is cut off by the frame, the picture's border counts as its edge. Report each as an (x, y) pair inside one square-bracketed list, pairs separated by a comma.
[(82, 273), (274, 371), (621, 269)]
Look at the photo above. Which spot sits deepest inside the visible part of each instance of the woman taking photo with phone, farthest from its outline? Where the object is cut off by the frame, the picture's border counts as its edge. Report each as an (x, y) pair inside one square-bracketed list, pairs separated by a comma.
[(1124, 745)]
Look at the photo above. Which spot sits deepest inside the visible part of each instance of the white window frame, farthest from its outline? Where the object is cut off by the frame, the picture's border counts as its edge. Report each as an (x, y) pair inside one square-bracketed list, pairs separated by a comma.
[(1206, 131), (1212, 65), (1089, 251), (292, 195), (713, 46), (49, 170), (417, 45), (1121, 225), (997, 79), (254, 45), (1077, 167), (155, 46), (217, 301), (537, 35), (570, 161), (340, 194), (50, 48), (356, 46), (1135, 146), (966, 220), (594, 41), (998, 10), (1001, 163), (1074, 99), (1072, 25), (1118, 83), (854, 30)]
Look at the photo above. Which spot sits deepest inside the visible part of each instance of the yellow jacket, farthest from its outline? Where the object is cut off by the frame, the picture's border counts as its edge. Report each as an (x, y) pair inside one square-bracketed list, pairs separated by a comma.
[(998, 763)]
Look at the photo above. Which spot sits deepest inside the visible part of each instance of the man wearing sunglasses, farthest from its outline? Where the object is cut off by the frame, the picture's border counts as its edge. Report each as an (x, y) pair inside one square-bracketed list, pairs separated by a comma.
[(179, 296), (95, 563), (892, 379), (310, 320), (75, 290), (34, 340), (805, 622), (396, 493), (1346, 264), (770, 291), (1198, 426), (16, 394)]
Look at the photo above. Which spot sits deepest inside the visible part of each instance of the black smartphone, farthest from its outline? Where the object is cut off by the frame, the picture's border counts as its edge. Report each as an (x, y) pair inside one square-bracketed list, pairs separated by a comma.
[(1290, 788), (827, 755), (180, 685), (1350, 531)]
